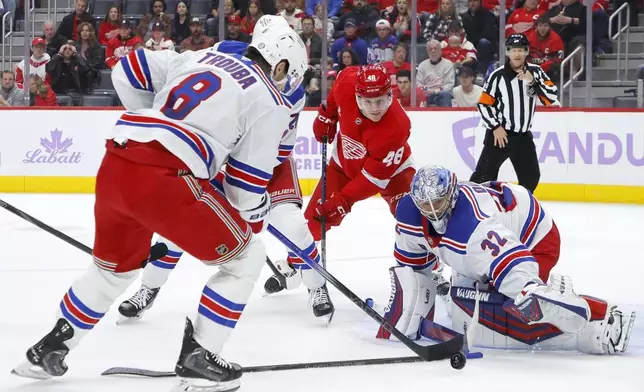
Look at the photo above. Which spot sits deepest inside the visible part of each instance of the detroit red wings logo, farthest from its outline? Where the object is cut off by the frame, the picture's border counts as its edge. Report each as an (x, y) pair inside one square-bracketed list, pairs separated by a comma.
[(352, 149)]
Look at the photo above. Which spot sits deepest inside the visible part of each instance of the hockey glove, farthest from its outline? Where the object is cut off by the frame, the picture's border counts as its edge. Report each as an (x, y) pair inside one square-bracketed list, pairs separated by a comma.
[(324, 125), (332, 210), (257, 218)]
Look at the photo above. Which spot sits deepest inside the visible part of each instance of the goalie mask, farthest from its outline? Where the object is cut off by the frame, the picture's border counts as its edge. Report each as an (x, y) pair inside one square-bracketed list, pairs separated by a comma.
[(434, 190), (373, 91)]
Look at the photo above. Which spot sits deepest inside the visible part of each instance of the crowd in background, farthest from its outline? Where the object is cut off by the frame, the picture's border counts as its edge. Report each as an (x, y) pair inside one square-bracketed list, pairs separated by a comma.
[(460, 38)]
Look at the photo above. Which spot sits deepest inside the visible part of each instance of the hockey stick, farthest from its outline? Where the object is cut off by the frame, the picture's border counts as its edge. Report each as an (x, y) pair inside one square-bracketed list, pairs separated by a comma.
[(128, 371), (322, 200), (451, 349), (278, 275), (156, 251)]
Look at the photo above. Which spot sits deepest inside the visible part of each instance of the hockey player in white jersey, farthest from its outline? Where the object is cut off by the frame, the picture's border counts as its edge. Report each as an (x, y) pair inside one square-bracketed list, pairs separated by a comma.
[(499, 237), (209, 109), (286, 204)]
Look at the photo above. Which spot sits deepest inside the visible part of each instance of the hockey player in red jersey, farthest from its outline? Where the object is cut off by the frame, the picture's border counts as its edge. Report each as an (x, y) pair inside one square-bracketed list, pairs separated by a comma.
[(370, 152)]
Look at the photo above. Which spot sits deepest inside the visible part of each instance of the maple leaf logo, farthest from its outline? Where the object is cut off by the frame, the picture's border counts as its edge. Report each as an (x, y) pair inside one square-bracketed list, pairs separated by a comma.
[(56, 143)]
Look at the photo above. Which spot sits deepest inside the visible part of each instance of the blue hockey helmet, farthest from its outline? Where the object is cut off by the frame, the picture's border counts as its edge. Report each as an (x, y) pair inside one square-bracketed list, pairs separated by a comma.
[(434, 190)]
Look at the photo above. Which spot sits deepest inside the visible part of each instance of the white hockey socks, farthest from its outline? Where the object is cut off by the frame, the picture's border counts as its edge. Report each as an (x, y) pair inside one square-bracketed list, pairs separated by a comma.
[(156, 272), (411, 300), (225, 295), (90, 297)]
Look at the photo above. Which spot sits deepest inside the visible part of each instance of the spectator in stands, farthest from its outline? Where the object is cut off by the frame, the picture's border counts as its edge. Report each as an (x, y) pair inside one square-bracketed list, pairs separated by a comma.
[(292, 15), (495, 5), (110, 27), (121, 45), (482, 31), (523, 19), (197, 40), (40, 94), (53, 41), (546, 48), (158, 40), (181, 23), (312, 40), (382, 48), (68, 27), (37, 62), (63, 71), (601, 41), (251, 17), (157, 14), (330, 28), (457, 48), (89, 55), (350, 40), (230, 8), (568, 19), (212, 24), (334, 11), (348, 57), (364, 18), (400, 17), (234, 30), (314, 92), (10, 94), (466, 94), (436, 76), (437, 25), (402, 91), (398, 63)]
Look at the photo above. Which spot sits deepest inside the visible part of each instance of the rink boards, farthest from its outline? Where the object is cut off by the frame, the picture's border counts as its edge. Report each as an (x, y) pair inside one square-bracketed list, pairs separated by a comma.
[(584, 155)]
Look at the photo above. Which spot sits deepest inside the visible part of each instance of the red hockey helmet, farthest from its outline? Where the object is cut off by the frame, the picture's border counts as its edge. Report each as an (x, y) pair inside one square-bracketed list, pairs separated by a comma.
[(373, 91), (373, 81)]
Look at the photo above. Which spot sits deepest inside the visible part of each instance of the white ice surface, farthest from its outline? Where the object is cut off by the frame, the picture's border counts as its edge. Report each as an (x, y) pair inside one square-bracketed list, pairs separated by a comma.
[(601, 250)]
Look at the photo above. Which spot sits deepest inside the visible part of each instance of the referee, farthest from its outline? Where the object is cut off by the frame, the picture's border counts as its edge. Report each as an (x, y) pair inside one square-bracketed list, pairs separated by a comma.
[(507, 107)]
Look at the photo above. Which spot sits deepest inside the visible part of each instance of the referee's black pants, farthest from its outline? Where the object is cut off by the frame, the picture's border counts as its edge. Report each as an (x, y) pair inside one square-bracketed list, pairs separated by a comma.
[(520, 149)]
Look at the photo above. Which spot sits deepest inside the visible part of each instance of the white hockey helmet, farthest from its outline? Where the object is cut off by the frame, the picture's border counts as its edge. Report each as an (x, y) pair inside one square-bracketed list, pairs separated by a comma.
[(275, 40)]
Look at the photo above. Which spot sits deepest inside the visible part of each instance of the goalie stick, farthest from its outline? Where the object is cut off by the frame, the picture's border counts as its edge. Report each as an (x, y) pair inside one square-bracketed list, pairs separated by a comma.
[(452, 349), (156, 251)]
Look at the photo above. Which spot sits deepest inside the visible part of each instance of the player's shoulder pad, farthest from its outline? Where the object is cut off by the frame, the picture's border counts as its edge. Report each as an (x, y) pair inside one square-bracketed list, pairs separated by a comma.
[(230, 47), (407, 213), (466, 217)]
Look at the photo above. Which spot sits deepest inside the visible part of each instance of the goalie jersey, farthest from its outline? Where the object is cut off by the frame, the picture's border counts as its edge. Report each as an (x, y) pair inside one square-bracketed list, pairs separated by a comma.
[(491, 231), (208, 109)]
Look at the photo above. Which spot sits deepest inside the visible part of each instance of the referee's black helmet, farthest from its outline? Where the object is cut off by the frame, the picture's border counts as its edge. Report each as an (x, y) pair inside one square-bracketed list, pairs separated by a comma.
[(517, 41)]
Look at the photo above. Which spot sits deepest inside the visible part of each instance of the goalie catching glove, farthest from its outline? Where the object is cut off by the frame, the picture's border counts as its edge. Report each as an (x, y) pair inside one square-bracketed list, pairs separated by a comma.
[(411, 300)]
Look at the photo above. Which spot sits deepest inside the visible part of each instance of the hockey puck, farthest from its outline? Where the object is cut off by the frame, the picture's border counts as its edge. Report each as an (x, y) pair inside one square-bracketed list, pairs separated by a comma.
[(369, 302), (457, 360)]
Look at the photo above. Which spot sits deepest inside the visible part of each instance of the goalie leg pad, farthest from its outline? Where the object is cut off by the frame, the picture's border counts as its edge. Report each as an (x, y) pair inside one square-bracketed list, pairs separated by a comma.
[(156, 272), (608, 331), (555, 303), (411, 300)]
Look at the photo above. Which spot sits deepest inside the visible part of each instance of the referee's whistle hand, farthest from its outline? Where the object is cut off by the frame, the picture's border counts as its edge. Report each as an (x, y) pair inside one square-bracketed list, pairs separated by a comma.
[(500, 137)]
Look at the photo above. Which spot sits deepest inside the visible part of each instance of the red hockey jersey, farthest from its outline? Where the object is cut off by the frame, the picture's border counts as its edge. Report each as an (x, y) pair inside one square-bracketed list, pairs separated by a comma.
[(370, 153), (522, 21), (545, 51)]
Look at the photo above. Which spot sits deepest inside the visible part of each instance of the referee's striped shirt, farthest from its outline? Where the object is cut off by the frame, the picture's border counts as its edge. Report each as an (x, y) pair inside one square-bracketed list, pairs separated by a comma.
[(509, 102)]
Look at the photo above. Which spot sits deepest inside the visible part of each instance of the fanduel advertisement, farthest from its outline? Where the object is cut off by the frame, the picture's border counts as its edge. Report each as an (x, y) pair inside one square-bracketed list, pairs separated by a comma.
[(605, 148)]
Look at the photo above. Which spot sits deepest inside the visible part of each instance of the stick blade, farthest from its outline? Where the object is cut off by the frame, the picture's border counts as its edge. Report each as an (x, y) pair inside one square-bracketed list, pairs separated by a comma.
[(126, 371)]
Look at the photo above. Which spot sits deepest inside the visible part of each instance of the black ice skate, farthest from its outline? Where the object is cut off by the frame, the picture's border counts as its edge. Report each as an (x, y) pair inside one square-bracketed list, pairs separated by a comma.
[(46, 359), (139, 303), (273, 285), (203, 371), (321, 303)]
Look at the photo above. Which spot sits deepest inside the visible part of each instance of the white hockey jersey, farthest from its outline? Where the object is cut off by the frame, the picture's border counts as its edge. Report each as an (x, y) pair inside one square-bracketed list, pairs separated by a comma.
[(208, 109), (488, 238)]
